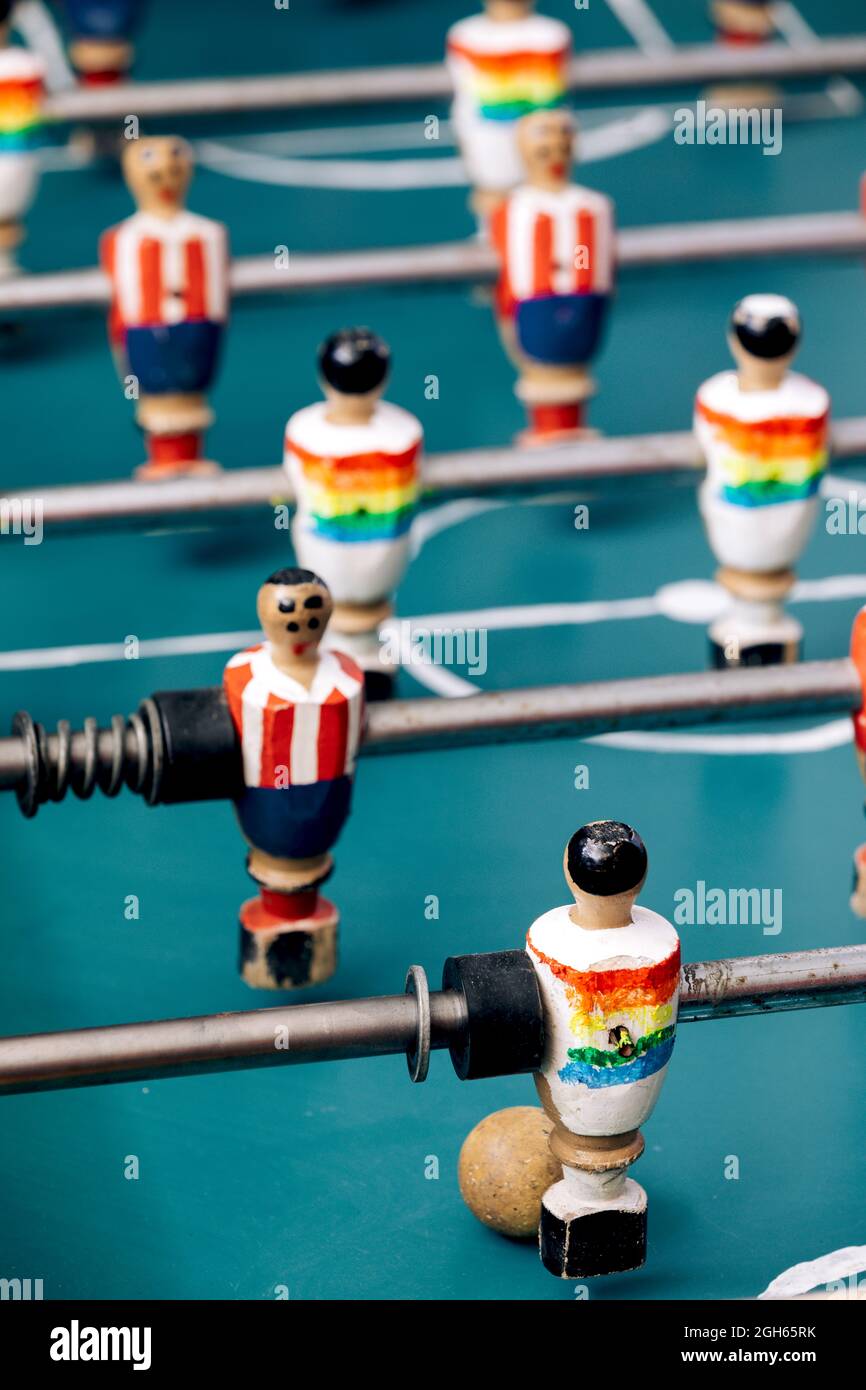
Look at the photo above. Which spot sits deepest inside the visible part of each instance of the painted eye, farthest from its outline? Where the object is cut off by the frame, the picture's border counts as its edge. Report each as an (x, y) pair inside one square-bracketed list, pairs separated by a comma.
[(147, 156), (286, 605)]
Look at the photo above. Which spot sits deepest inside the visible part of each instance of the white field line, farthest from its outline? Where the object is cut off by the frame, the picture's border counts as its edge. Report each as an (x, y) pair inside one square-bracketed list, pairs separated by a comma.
[(634, 131), (800, 34), (36, 26), (640, 22), (802, 1278)]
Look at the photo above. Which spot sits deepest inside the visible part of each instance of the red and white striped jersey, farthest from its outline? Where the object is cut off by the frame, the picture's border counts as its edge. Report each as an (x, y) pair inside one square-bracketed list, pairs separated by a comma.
[(166, 270), (291, 736), (553, 243)]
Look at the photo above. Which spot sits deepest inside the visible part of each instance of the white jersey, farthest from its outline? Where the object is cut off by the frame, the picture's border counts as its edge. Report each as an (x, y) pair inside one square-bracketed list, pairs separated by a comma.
[(501, 71), (610, 1008), (766, 452)]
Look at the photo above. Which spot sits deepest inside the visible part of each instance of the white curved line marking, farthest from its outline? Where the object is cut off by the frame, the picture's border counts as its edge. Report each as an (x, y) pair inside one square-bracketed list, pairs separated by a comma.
[(622, 137), (396, 175), (832, 485), (834, 586), (50, 658), (441, 680), (36, 26), (638, 20), (429, 523), (540, 615), (493, 619), (798, 33), (817, 739), (342, 140), (379, 175), (800, 1279)]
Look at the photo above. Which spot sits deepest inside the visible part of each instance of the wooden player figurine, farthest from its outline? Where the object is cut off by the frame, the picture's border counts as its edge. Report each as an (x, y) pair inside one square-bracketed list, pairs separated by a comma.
[(555, 244), (743, 23), (169, 272), (298, 712), (22, 78), (764, 431), (353, 460), (608, 973), (504, 63), (101, 48)]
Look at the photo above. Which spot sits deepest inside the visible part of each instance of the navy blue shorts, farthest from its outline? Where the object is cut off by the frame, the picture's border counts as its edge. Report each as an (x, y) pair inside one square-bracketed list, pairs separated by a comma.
[(179, 358), (102, 19), (295, 822), (561, 329)]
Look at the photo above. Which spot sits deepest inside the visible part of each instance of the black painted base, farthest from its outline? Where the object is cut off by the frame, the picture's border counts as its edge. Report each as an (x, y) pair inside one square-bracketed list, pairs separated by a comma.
[(601, 1242), (277, 954)]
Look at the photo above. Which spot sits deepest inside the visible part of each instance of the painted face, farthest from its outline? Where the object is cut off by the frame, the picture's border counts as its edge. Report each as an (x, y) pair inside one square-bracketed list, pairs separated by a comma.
[(547, 145), (158, 172), (294, 616)]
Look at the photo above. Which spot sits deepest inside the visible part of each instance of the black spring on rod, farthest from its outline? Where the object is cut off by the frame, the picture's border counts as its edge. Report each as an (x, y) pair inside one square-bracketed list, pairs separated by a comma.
[(83, 760)]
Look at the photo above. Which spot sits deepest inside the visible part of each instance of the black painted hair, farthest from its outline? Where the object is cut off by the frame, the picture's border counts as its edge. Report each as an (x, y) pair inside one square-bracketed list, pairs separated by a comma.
[(762, 335), (295, 576), (5, 10), (605, 858), (354, 361)]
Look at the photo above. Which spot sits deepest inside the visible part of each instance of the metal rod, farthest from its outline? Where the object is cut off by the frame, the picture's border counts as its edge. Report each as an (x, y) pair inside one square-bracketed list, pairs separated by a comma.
[(582, 711), (511, 716), (386, 1025), (469, 470), (225, 1042), (605, 70), (840, 233), (773, 983)]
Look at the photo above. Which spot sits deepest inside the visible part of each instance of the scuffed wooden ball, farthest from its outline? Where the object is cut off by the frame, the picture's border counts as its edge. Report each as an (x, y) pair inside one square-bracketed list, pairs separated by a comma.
[(505, 1167)]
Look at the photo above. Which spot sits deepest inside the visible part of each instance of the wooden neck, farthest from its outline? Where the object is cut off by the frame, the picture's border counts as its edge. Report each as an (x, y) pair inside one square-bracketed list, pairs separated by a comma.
[(350, 410), (760, 376), (602, 914)]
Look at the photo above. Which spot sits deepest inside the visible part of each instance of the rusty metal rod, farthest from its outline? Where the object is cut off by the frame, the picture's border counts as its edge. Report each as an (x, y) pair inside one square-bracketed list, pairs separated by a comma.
[(821, 234), (467, 470), (608, 69), (600, 707), (386, 1025), (33, 762)]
